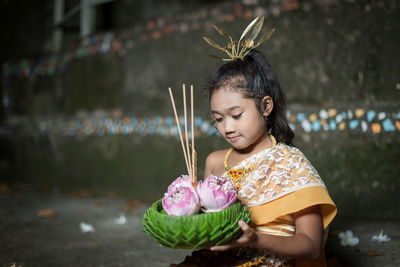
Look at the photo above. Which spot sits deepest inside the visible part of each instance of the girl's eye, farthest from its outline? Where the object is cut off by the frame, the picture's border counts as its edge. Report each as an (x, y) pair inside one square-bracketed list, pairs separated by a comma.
[(237, 116), (215, 121)]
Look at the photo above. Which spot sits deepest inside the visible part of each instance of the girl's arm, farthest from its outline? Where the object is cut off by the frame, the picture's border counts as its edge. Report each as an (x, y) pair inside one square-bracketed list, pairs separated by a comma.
[(305, 244), (208, 167)]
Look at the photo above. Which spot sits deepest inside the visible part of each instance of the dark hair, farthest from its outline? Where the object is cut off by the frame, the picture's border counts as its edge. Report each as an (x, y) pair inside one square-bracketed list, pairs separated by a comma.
[(254, 78)]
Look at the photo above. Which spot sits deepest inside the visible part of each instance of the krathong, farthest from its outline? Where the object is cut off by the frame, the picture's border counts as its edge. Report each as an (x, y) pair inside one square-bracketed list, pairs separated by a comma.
[(177, 221)]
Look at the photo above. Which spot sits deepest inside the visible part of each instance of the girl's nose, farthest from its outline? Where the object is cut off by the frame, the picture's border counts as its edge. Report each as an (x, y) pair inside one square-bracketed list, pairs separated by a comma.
[(229, 126)]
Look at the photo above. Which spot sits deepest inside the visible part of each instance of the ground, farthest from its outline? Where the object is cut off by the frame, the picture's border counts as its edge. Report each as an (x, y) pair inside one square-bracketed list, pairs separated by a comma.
[(43, 229)]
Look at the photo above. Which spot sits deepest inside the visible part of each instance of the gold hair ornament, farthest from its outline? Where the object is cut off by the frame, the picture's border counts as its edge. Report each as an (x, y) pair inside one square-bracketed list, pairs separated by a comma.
[(239, 49)]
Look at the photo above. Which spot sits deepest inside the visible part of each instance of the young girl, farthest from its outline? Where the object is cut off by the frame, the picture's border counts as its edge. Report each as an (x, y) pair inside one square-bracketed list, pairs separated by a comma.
[(290, 206)]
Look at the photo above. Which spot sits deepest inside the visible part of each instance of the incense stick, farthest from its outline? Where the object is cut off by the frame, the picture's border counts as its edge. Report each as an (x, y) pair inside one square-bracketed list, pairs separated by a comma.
[(186, 132), (193, 131), (179, 128)]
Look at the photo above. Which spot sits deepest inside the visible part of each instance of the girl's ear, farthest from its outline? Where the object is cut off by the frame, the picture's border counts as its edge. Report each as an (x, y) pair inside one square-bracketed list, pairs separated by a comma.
[(268, 105)]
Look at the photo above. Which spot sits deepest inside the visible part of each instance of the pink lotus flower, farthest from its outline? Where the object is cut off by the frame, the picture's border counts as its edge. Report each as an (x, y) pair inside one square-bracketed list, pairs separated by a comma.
[(181, 198), (216, 193)]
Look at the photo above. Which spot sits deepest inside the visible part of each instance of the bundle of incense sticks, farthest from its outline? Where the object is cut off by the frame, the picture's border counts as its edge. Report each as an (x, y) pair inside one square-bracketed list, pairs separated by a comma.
[(189, 154)]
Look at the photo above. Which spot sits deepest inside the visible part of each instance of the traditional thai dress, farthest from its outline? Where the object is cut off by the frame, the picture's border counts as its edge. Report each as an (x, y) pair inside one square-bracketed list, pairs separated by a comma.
[(274, 184)]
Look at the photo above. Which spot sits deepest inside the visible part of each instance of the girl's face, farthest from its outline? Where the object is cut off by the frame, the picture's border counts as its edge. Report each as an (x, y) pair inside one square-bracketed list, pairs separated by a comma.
[(237, 119)]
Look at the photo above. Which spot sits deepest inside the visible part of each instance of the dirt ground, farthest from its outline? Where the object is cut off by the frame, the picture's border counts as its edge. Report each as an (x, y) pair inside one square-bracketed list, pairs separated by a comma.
[(43, 229)]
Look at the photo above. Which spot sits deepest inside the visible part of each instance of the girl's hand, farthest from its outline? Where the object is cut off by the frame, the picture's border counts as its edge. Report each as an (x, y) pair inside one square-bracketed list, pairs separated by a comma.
[(248, 237)]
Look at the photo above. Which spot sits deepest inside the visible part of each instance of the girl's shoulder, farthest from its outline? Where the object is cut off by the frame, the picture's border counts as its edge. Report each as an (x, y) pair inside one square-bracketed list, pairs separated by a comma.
[(215, 161), (293, 155), (216, 157), (290, 150)]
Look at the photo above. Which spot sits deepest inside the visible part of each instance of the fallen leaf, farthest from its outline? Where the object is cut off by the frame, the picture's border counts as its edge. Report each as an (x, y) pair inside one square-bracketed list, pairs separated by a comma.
[(80, 193), (375, 253), (101, 203), (4, 188), (13, 264), (130, 205), (3, 211), (290, 5), (112, 194), (335, 232), (46, 188), (46, 213)]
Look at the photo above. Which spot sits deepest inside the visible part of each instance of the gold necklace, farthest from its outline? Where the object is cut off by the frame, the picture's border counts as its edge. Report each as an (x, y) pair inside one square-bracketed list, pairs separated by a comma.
[(236, 175)]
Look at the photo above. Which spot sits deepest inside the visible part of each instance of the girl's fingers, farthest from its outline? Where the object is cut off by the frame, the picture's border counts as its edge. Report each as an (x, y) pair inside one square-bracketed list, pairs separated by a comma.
[(243, 239), (243, 225), (248, 235), (246, 229), (225, 247), (220, 248)]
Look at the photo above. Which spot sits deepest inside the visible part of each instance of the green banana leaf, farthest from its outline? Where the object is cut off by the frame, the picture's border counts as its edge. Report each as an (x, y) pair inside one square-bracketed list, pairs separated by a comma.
[(197, 231)]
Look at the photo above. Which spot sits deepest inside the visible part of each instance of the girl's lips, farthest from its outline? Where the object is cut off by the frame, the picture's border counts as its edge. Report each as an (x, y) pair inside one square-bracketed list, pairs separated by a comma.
[(233, 139)]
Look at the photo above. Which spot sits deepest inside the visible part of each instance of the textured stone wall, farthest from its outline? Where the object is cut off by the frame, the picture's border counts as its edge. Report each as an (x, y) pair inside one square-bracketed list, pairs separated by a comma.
[(98, 116)]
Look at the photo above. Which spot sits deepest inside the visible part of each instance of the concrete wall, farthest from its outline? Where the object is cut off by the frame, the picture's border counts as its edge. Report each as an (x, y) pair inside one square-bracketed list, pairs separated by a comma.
[(98, 116)]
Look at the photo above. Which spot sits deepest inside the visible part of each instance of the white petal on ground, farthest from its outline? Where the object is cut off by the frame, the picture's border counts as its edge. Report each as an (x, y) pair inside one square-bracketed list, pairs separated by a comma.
[(121, 219), (85, 227), (348, 239), (381, 237)]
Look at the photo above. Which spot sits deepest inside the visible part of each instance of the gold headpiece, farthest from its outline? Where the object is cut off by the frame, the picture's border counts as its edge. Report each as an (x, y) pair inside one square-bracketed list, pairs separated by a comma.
[(236, 49)]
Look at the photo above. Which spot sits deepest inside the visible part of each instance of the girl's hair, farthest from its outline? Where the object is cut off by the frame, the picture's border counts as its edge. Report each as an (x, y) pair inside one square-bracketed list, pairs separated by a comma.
[(254, 78)]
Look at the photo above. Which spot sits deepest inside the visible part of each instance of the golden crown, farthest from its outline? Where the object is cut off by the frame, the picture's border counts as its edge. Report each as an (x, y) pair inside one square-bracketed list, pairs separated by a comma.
[(239, 49)]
